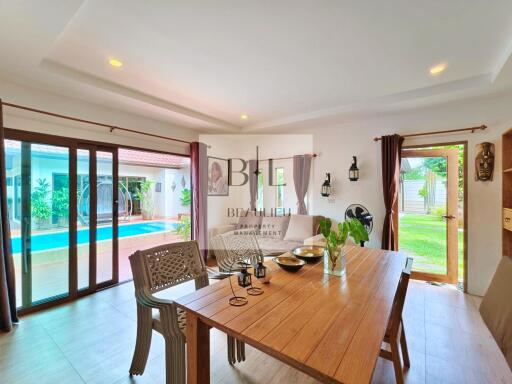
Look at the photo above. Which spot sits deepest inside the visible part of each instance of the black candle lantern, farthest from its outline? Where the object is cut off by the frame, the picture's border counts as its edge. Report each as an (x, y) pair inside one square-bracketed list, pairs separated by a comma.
[(260, 271), (244, 277), (353, 172), (326, 186)]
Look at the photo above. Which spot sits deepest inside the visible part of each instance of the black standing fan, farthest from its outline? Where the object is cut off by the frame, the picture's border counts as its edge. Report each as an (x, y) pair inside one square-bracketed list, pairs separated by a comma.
[(357, 211)]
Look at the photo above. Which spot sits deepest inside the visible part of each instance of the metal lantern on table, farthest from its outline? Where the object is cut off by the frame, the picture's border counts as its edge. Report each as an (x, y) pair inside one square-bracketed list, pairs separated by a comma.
[(244, 277)]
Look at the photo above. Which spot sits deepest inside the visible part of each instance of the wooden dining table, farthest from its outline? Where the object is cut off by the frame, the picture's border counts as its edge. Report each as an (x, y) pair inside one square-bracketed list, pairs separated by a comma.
[(327, 326)]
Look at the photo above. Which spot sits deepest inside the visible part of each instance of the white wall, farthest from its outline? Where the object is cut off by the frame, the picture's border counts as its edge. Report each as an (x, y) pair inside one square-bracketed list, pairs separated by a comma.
[(244, 146), (336, 144), (36, 98)]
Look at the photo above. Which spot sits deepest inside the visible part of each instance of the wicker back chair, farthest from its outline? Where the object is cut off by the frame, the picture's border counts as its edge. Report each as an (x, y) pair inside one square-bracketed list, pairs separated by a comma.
[(154, 270), (237, 247)]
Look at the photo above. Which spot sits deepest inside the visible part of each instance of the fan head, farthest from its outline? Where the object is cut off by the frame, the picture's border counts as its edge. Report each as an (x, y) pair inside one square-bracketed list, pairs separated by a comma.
[(357, 211)]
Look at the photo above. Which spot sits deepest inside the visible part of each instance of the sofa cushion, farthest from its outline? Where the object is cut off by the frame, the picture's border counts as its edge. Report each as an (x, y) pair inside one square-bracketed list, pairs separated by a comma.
[(249, 221), (300, 228), (274, 226), (270, 247)]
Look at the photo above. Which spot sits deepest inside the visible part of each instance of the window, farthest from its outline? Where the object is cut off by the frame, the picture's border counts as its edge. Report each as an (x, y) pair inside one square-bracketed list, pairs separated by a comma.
[(260, 191), (280, 191)]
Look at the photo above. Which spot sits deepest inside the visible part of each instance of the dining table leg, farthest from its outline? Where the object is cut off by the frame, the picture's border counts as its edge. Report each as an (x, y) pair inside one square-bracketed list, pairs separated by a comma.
[(198, 350)]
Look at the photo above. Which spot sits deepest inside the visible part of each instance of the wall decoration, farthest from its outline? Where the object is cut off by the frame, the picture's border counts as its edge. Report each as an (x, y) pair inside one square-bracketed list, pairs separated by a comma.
[(217, 177), (484, 161), (158, 187), (173, 185), (183, 182)]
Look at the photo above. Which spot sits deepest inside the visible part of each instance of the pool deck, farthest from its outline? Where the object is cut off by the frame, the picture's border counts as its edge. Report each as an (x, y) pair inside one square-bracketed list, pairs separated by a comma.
[(50, 279)]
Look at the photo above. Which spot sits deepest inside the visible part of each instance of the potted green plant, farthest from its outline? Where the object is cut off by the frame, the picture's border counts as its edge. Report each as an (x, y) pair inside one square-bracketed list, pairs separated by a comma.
[(144, 194), (334, 254), (60, 206), (41, 210), (184, 228), (186, 200), (185, 197)]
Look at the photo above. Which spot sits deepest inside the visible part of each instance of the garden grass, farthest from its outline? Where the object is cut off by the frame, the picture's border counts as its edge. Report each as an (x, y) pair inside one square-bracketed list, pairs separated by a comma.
[(424, 236)]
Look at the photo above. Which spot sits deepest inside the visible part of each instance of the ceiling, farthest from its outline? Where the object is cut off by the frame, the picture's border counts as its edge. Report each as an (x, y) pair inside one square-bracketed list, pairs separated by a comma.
[(201, 64)]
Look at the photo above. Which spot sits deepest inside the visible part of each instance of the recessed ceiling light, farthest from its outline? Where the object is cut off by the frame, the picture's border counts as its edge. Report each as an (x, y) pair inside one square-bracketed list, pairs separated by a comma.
[(244, 116), (116, 63), (437, 69)]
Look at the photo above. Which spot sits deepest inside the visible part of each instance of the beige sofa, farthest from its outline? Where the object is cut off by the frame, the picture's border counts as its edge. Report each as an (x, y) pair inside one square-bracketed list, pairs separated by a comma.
[(275, 235)]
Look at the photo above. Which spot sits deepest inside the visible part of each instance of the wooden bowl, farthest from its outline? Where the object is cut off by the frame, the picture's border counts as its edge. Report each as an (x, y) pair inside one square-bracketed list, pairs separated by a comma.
[(309, 253), (289, 263)]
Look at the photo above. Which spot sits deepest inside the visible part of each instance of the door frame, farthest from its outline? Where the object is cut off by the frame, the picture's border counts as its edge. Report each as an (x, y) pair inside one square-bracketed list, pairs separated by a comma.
[(73, 145), (93, 222), (464, 144)]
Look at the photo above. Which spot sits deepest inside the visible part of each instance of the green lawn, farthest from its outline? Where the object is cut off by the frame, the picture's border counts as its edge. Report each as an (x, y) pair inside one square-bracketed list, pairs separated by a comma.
[(424, 237)]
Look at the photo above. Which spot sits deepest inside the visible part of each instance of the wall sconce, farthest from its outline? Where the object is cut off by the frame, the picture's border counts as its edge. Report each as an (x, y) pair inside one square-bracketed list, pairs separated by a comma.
[(353, 172), (326, 186)]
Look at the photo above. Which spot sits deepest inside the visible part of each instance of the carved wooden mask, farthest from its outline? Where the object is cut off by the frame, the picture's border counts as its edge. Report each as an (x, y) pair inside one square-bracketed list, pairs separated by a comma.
[(484, 162)]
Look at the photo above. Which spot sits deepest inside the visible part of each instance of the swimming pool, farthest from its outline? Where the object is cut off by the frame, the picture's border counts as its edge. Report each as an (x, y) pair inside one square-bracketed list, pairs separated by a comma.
[(47, 241)]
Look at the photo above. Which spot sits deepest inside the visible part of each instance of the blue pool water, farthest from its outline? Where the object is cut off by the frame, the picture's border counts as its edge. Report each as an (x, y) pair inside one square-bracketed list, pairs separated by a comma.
[(61, 239)]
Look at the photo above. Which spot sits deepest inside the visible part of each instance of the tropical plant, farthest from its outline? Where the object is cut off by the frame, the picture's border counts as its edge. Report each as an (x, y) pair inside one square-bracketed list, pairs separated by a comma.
[(60, 203), (41, 209), (144, 195), (184, 228), (186, 197)]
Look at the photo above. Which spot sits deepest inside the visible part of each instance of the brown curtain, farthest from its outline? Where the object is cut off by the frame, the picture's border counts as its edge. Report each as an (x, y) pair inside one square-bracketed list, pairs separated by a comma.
[(8, 314), (199, 168), (391, 151)]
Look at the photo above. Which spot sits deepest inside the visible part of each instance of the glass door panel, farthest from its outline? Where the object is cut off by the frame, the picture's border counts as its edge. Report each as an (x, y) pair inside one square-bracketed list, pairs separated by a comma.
[(105, 216), (83, 216), (428, 212), (39, 217)]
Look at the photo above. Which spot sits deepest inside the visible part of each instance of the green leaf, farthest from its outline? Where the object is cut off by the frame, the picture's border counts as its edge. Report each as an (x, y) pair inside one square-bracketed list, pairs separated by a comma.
[(343, 231), (357, 231), (325, 227)]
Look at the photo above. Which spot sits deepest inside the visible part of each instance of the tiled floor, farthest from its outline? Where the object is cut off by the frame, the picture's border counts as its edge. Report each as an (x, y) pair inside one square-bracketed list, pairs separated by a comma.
[(92, 341)]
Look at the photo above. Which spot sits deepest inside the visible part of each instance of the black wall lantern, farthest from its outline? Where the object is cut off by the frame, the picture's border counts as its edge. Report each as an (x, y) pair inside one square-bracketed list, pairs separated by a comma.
[(353, 172), (326, 186)]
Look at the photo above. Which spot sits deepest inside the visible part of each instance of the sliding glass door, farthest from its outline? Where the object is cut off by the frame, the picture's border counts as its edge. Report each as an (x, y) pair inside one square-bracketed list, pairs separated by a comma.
[(65, 197), (63, 218)]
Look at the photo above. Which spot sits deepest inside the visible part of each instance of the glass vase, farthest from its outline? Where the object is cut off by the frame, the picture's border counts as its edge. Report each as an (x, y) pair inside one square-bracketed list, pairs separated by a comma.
[(335, 260)]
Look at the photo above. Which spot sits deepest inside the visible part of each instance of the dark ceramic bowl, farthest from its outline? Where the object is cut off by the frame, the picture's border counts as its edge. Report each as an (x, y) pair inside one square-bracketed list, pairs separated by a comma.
[(309, 253), (289, 263)]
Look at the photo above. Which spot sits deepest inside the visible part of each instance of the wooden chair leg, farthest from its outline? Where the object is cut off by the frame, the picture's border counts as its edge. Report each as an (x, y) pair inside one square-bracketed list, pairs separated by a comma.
[(143, 342), (175, 371), (403, 344), (397, 364)]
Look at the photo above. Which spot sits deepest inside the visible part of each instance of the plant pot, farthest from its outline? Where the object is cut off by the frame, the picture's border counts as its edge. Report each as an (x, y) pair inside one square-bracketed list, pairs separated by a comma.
[(335, 261)]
